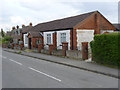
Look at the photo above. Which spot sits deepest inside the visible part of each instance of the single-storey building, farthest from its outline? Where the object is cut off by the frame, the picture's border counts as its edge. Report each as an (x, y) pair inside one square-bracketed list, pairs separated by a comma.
[(74, 30)]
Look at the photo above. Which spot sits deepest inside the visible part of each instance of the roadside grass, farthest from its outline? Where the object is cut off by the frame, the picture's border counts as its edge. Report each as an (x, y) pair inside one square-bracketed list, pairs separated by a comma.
[(27, 50), (19, 52)]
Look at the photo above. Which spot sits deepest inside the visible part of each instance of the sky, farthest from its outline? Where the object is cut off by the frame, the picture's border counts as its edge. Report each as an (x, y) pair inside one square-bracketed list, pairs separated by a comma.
[(19, 12)]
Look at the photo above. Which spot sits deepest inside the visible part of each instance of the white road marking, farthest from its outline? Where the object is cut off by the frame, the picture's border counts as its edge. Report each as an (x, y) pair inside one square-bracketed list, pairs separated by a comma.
[(45, 74), (15, 62)]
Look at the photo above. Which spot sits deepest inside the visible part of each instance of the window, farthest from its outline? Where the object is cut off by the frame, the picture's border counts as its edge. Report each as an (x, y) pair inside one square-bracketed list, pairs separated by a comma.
[(40, 41), (48, 38), (63, 37), (26, 39)]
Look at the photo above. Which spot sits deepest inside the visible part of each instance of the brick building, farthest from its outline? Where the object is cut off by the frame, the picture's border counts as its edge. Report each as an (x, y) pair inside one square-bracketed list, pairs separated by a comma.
[(16, 34), (74, 30), (117, 26)]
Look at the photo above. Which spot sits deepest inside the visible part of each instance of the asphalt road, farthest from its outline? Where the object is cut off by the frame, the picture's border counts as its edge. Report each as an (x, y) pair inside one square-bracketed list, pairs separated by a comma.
[(25, 72)]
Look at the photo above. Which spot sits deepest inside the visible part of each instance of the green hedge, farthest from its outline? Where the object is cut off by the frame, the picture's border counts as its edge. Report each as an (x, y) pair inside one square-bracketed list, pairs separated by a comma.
[(106, 48), (7, 39)]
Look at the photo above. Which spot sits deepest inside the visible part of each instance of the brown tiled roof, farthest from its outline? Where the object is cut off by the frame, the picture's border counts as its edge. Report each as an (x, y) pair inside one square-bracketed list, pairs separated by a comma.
[(34, 34), (117, 26), (26, 29), (16, 36), (61, 24)]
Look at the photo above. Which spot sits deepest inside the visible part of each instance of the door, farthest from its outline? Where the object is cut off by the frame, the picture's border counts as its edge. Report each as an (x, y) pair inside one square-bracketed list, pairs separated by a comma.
[(29, 43)]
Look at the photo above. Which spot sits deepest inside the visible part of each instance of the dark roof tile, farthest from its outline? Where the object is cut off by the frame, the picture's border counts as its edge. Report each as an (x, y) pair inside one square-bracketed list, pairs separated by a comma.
[(65, 23), (26, 29), (34, 34)]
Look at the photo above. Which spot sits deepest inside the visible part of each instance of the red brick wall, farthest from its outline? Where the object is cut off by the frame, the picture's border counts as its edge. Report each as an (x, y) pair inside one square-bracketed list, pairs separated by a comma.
[(96, 21), (42, 41), (90, 23), (55, 40), (74, 39), (33, 41)]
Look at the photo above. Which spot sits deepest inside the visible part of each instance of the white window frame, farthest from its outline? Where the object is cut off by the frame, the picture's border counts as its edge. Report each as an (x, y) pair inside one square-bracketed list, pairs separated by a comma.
[(63, 37), (26, 39), (48, 38)]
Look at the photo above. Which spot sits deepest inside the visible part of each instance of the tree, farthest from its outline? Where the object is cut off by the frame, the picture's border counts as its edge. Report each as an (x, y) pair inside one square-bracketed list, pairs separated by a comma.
[(7, 39), (2, 33)]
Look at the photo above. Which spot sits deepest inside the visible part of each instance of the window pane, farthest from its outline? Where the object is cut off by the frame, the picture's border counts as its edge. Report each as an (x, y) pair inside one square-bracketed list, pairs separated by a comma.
[(63, 37), (48, 38)]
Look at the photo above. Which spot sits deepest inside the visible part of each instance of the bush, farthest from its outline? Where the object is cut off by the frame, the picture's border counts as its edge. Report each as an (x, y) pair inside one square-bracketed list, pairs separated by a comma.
[(105, 49), (7, 39)]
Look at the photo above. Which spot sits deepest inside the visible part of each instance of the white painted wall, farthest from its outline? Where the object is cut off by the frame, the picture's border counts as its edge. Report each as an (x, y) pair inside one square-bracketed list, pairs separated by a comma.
[(58, 38), (102, 31), (84, 36), (24, 36)]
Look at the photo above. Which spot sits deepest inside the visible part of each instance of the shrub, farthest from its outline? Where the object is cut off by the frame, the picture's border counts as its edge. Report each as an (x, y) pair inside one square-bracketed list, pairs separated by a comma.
[(105, 49), (19, 52), (7, 39)]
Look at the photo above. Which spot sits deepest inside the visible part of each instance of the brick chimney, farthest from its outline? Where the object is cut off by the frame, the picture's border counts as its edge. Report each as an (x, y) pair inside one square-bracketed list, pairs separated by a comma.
[(13, 28), (23, 25), (17, 27), (30, 24)]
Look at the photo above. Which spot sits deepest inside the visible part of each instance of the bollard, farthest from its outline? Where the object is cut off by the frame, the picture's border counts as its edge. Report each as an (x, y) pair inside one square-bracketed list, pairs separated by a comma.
[(50, 48), (21, 46), (12, 45), (64, 48), (40, 46), (17, 45), (84, 50)]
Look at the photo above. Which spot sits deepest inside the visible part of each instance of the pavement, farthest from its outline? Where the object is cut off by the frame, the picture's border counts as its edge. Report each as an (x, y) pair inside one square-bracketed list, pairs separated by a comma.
[(89, 66), (19, 71)]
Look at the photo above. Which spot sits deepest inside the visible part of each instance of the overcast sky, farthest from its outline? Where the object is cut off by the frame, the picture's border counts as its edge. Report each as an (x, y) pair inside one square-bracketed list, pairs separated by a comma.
[(18, 12)]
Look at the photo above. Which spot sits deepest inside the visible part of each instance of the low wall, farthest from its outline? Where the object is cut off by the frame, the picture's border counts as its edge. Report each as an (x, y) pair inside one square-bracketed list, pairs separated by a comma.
[(54, 52), (57, 52), (44, 51), (74, 54)]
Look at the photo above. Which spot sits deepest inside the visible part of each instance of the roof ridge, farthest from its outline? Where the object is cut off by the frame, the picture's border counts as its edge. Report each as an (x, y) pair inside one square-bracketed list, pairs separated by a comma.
[(64, 23), (67, 17)]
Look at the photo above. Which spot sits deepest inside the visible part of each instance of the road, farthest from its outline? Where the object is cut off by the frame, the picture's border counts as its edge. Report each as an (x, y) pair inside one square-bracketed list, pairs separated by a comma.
[(25, 72)]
